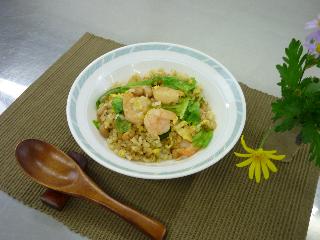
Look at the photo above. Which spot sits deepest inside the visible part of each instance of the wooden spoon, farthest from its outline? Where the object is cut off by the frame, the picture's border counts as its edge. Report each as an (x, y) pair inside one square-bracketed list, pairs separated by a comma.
[(52, 168)]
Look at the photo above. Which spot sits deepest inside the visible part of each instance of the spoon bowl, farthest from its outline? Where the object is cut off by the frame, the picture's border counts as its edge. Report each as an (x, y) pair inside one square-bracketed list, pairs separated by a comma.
[(46, 164), (50, 167)]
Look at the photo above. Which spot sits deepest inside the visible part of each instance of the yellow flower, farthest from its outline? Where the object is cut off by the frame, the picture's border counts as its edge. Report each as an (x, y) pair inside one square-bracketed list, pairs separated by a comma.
[(318, 47), (259, 160)]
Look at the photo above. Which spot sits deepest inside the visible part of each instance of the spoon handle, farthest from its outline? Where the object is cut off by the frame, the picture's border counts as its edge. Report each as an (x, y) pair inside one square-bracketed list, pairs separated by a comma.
[(148, 225)]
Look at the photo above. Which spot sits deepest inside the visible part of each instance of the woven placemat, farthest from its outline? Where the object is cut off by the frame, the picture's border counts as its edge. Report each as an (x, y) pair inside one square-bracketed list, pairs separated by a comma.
[(218, 203)]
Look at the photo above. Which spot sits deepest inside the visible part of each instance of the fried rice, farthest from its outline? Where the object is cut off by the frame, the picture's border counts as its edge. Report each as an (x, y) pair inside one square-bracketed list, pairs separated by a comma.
[(123, 111)]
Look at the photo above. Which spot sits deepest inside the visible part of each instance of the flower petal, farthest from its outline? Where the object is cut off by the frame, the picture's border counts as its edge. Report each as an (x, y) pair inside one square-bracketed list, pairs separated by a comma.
[(251, 170), (312, 24), (243, 154), (244, 145), (269, 151), (276, 157), (314, 36), (270, 165), (265, 170), (244, 163), (257, 170)]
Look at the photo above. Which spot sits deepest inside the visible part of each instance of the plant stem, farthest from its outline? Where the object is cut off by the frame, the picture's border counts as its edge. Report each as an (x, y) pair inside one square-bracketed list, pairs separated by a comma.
[(265, 136)]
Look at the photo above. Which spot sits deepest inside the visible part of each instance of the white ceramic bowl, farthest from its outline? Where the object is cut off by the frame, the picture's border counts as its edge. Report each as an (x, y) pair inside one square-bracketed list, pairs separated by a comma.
[(220, 89)]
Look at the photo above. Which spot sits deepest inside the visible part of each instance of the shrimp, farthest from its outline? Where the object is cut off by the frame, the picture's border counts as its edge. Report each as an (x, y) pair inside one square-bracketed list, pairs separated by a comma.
[(166, 95), (157, 121), (104, 131), (186, 150), (147, 91), (135, 107), (137, 91), (144, 90)]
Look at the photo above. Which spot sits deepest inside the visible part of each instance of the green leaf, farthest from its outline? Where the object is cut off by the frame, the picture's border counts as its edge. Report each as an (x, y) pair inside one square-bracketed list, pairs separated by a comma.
[(286, 108), (313, 86), (299, 105), (287, 112), (117, 104), (115, 90), (98, 103), (179, 108), (310, 134), (148, 82), (202, 138), (193, 115), (96, 124), (310, 61), (122, 125), (291, 71), (175, 83)]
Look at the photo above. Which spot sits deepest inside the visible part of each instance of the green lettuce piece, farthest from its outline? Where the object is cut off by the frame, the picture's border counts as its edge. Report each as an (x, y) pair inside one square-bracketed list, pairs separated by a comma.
[(96, 123), (117, 104), (192, 114), (148, 82), (122, 125), (202, 138), (115, 90), (179, 108), (175, 83), (98, 102)]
